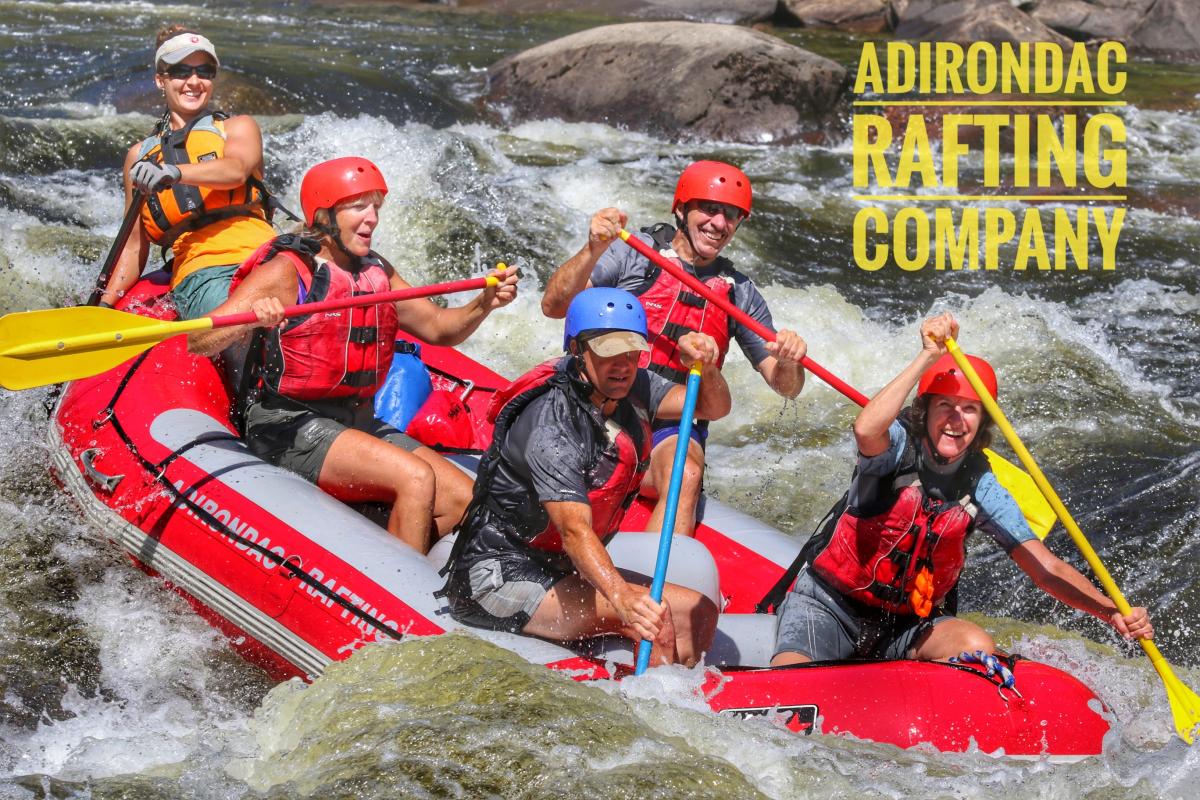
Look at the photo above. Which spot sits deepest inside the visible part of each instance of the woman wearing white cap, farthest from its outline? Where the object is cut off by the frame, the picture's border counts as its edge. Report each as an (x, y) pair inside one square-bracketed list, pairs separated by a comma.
[(201, 174)]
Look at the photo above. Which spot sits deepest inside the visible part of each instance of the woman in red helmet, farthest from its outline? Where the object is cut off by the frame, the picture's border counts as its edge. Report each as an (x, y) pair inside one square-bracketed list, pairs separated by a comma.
[(879, 579), (711, 200), (309, 396)]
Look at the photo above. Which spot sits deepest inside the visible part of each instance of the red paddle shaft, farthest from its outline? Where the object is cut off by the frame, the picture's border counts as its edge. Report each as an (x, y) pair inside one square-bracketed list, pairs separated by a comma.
[(410, 293), (697, 286)]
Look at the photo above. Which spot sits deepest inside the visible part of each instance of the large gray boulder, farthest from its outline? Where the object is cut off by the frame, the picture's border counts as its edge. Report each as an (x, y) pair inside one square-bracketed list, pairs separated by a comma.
[(680, 80), (967, 21), (1170, 27), (738, 12), (864, 16)]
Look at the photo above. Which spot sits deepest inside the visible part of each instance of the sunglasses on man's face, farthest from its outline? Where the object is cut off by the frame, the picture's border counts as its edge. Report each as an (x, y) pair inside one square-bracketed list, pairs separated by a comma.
[(181, 72), (711, 208)]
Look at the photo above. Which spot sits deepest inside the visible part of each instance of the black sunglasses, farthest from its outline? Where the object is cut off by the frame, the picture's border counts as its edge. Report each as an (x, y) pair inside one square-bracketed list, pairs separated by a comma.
[(181, 72)]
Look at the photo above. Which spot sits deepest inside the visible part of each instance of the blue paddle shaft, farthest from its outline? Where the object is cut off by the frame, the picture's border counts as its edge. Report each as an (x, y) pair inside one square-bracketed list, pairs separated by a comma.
[(668, 526)]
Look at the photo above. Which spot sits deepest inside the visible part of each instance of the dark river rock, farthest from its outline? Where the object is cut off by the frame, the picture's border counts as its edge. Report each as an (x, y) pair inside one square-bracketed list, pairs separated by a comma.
[(676, 79), (967, 21)]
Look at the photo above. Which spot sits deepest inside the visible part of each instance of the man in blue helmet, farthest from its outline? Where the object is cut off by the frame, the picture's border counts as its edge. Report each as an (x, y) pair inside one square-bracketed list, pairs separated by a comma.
[(712, 199), (572, 443)]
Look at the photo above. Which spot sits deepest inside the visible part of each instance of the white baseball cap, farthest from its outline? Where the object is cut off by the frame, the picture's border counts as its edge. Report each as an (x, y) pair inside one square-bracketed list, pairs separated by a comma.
[(182, 45), (607, 345)]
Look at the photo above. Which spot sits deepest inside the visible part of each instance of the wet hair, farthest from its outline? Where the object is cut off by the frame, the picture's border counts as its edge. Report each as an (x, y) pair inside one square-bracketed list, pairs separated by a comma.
[(918, 415)]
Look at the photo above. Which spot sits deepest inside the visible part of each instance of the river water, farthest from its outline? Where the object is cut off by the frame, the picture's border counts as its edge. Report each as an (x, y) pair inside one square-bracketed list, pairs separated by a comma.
[(110, 687)]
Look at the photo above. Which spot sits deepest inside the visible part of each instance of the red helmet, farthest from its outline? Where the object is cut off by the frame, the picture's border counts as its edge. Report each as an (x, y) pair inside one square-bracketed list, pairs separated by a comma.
[(944, 377), (713, 180), (331, 182)]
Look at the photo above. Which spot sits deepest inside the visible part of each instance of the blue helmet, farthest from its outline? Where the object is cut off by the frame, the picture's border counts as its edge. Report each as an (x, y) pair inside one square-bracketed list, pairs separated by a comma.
[(603, 309)]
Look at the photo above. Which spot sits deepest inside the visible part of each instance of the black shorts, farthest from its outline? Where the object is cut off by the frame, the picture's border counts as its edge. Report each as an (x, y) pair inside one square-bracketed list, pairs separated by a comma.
[(501, 591), (297, 436)]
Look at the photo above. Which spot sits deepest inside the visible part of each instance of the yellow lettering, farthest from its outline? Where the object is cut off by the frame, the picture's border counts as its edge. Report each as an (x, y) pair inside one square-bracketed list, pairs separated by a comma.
[(998, 226), (1032, 242), (872, 137), (1094, 157), (880, 220)]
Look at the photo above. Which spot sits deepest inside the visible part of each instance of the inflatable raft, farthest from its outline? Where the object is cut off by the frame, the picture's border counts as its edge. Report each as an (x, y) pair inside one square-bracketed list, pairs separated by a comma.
[(297, 580)]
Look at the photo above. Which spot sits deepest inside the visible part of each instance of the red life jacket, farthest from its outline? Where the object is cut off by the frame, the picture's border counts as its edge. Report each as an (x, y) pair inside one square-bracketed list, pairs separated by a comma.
[(880, 560), (335, 354), (609, 500), (673, 310)]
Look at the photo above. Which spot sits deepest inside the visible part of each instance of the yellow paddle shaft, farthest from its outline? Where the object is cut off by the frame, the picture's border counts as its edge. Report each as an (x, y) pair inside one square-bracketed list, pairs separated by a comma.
[(1026, 459), (105, 339)]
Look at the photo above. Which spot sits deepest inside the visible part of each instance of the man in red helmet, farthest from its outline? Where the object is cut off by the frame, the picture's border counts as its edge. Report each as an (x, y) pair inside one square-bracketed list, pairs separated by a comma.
[(711, 200), (309, 405), (879, 580)]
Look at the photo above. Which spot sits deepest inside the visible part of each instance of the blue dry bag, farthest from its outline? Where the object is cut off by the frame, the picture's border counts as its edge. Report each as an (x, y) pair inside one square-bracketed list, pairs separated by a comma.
[(406, 388)]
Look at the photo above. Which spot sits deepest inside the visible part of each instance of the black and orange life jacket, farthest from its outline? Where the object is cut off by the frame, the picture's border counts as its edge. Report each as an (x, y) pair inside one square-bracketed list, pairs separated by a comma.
[(179, 208)]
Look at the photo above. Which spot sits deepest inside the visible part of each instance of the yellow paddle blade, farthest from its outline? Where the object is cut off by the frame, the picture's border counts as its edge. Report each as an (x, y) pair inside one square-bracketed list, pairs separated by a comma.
[(38, 348), (1185, 709), (1025, 491)]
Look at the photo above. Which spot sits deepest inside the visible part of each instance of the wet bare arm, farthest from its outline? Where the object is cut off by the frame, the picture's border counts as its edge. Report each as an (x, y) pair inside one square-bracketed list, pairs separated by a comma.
[(575, 274), (451, 326), (781, 369), (872, 423), (1062, 581), (636, 609), (242, 157), (273, 280), (713, 400)]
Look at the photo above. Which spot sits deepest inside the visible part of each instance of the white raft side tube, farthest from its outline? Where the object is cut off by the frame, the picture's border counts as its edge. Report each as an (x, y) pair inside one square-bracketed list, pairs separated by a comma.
[(753, 534), (324, 521), (690, 565), (331, 526), (179, 572)]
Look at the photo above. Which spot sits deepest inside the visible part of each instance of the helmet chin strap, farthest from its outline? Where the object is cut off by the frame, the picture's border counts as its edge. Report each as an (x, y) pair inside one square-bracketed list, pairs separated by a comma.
[(334, 232), (687, 233)]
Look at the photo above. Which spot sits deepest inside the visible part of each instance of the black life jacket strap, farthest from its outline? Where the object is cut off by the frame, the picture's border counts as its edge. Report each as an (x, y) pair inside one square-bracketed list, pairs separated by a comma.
[(816, 543)]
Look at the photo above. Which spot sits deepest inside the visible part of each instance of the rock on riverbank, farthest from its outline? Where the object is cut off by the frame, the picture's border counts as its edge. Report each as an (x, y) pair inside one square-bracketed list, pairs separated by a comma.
[(681, 80)]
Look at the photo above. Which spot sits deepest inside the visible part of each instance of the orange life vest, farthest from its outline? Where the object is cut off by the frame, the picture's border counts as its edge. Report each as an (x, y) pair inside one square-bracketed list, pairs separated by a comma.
[(177, 209)]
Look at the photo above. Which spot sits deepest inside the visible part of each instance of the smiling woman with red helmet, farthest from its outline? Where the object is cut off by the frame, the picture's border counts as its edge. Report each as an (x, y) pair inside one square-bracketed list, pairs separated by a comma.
[(310, 404), (201, 174), (881, 577)]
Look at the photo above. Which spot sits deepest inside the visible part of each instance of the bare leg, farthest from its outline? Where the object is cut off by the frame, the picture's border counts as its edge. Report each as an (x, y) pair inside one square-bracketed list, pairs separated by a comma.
[(783, 659), (573, 609), (453, 492), (948, 639), (360, 468), (658, 480)]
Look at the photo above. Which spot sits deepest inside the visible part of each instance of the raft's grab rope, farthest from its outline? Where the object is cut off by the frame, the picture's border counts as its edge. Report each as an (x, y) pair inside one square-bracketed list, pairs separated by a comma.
[(289, 567), (993, 667)]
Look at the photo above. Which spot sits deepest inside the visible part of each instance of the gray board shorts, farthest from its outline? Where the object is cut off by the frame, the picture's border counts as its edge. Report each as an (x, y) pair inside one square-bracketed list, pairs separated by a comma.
[(501, 589), (818, 621), (297, 435)]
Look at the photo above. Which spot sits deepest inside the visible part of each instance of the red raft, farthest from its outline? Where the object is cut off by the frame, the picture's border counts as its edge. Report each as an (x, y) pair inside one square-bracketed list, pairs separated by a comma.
[(297, 580)]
